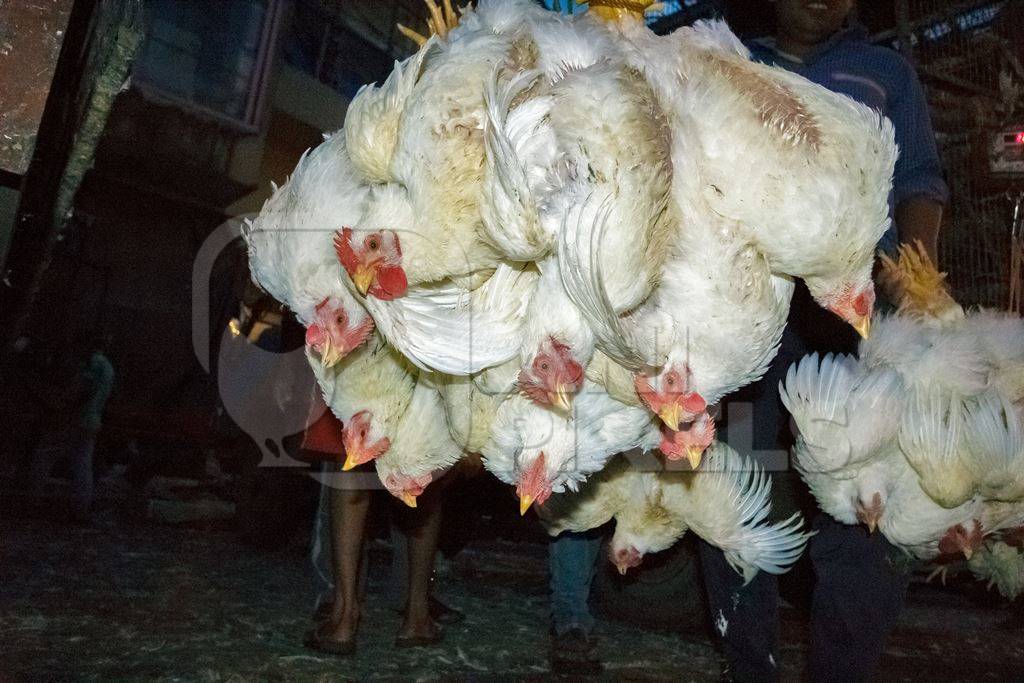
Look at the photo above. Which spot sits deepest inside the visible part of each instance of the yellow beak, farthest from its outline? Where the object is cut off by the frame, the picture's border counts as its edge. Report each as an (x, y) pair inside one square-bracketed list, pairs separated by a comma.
[(693, 455), (408, 499), (872, 525), (349, 463), (330, 355), (968, 553), (560, 399), (863, 327), (622, 569), (362, 278), (670, 415), (524, 504)]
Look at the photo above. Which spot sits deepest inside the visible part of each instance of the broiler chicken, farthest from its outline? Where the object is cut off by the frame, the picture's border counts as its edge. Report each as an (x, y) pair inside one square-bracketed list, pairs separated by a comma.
[(369, 392), (543, 452), (416, 250), (821, 218), (290, 249), (711, 327), (418, 139), (726, 503), (422, 448), (586, 132), (934, 457)]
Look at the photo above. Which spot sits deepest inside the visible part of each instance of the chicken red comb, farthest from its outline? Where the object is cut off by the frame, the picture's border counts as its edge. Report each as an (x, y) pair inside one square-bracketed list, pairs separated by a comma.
[(343, 249)]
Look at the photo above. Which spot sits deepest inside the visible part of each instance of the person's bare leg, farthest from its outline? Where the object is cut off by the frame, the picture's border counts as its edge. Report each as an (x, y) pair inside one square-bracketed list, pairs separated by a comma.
[(423, 526), (348, 508)]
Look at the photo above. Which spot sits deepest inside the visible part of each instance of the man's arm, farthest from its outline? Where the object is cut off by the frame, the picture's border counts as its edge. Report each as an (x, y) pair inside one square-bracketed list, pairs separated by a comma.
[(918, 218), (919, 189)]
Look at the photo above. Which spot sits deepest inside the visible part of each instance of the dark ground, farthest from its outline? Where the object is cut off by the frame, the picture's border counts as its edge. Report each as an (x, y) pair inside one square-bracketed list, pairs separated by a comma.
[(136, 600)]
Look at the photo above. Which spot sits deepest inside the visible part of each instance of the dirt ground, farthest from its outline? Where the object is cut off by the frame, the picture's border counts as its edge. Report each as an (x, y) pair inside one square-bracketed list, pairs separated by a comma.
[(127, 599)]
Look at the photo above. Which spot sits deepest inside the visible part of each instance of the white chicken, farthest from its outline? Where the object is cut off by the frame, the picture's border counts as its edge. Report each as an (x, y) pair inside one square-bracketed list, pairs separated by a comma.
[(932, 341), (390, 416), (419, 138), (711, 327), (369, 392), (417, 250), (821, 219), (542, 452), (422, 448), (937, 466), (290, 252), (726, 503), (587, 130), (849, 421)]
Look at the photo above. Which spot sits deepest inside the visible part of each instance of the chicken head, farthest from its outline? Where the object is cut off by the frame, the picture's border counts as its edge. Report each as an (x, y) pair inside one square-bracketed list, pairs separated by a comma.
[(373, 259), (534, 484), (854, 304), (362, 440), (335, 331), (405, 488), (624, 557), (689, 441), (870, 513), (959, 540), (554, 376), (667, 394)]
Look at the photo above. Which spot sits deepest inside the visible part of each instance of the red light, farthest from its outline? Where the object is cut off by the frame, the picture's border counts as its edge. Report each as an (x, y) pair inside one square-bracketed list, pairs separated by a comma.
[(1019, 139)]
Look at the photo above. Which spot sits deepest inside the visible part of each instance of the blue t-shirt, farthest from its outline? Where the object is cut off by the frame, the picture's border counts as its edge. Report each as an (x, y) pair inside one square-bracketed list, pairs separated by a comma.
[(884, 80)]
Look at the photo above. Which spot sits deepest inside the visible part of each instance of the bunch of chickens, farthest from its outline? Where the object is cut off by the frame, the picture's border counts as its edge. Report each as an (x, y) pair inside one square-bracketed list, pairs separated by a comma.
[(551, 239), (922, 437)]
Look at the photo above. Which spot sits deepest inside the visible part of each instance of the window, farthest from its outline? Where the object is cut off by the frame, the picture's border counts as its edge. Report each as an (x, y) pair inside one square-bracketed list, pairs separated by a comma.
[(213, 57)]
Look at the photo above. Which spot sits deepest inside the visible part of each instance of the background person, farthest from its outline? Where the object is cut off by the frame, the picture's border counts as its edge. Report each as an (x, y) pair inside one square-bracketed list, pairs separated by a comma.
[(858, 591)]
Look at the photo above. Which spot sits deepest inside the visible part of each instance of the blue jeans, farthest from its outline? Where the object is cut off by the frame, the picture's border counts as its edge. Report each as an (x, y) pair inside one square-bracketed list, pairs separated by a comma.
[(745, 618), (76, 447), (572, 561), (858, 593), (858, 596)]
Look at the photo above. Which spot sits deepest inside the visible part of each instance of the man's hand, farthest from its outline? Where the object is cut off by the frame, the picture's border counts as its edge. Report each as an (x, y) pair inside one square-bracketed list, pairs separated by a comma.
[(919, 218)]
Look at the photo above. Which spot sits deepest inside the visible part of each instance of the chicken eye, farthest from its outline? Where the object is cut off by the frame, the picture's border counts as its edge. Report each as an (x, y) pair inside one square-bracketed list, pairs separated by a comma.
[(373, 244), (340, 319), (544, 365), (670, 381)]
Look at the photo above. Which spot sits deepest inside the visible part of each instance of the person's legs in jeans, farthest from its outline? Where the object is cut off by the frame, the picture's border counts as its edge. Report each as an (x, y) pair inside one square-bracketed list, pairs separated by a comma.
[(82, 486), (745, 617), (572, 559), (51, 450), (858, 597)]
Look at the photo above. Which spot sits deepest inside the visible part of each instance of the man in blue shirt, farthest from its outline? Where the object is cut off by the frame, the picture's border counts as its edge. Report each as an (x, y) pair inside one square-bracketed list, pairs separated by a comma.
[(858, 592)]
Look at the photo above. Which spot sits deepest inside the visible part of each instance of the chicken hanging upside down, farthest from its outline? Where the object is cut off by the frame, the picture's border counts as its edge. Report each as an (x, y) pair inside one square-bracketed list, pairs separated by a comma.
[(726, 503), (552, 239), (920, 438)]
